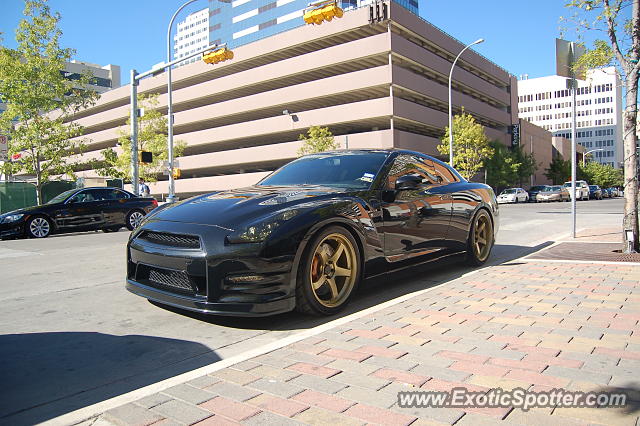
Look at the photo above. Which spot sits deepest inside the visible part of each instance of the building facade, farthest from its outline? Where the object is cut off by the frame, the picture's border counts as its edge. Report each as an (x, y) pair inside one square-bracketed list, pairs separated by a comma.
[(192, 34), (374, 85), (547, 102), (245, 21)]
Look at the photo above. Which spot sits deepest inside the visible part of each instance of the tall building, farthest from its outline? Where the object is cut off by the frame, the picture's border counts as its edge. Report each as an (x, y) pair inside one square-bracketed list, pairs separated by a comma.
[(192, 34), (245, 21), (547, 102), (374, 85)]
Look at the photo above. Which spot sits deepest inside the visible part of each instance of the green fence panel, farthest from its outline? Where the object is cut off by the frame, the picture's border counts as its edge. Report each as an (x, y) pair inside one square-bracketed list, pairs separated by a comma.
[(117, 183), (53, 188), (17, 195)]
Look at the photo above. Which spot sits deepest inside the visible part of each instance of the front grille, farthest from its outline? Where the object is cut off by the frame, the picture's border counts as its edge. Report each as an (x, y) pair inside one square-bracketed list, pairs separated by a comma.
[(175, 279), (172, 240), (171, 280)]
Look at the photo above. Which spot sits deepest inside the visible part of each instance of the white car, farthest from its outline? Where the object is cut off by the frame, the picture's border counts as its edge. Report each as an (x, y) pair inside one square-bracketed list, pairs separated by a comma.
[(582, 189), (513, 195)]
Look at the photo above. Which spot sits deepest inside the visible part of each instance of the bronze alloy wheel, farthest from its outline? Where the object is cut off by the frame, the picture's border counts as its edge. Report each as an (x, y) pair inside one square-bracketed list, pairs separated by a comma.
[(334, 270), (480, 239), (329, 273)]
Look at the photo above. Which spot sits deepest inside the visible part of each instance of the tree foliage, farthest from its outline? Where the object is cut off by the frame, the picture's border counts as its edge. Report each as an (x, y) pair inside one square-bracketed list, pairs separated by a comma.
[(470, 145), (508, 166), (41, 103), (317, 139), (616, 25), (559, 171), (602, 175), (152, 137)]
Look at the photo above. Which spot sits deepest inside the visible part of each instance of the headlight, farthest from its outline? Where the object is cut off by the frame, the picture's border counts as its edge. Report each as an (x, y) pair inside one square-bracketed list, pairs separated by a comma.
[(259, 231), (11, 218)]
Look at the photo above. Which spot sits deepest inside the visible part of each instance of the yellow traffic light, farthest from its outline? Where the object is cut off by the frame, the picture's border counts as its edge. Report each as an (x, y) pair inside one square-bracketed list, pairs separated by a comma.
[(218, 55), (176, 173), (322, 11)]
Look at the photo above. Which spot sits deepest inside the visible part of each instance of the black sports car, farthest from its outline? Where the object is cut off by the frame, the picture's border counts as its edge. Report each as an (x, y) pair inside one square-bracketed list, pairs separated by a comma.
[(77, 210), (307, 234)]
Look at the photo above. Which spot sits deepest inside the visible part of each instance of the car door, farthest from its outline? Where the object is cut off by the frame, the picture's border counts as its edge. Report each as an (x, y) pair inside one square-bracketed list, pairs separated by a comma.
[(415, 219), (84, 211), (115, 206)]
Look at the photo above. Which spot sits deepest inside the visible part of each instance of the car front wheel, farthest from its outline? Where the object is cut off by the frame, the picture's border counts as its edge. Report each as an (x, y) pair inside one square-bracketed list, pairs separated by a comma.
[(480, 240), (38, 227), (329, 272), (134, 218)]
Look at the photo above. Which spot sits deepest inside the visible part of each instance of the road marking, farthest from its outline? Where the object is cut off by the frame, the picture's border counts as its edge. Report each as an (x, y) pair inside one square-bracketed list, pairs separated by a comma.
[(6, 253), (94, 410)]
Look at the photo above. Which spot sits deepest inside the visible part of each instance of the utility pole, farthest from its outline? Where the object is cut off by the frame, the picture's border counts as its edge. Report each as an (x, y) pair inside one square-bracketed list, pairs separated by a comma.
[(134, 133)]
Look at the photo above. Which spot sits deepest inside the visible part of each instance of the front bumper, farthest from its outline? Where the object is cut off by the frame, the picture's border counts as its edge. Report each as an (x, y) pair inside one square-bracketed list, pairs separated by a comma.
[(547, 197), (506, 200), (13, 229), (214, 278)]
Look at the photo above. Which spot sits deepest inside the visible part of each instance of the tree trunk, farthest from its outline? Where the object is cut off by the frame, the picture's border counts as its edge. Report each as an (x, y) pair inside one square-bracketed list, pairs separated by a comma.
[(630, 220)]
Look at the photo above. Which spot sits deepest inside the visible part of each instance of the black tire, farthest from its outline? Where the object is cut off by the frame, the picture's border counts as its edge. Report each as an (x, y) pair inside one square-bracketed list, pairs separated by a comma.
[(38, 227), (307, 299), (111, 229), (133, 219), (476, 256), (516, 198)]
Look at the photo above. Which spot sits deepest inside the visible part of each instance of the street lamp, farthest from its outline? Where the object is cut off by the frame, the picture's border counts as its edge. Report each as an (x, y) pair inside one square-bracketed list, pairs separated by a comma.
[(584, 156), (480, 40), (172, 194)]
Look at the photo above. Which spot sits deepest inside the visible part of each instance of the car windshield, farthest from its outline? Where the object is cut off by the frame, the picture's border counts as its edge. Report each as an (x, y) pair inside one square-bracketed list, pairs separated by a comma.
[(61, 197), (538, 188), (508, 191), (556, 188), (344, 170), (593, 187)]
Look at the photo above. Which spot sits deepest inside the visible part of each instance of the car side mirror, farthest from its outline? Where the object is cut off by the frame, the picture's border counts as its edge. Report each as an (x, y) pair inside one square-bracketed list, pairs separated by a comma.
[(408, 182)]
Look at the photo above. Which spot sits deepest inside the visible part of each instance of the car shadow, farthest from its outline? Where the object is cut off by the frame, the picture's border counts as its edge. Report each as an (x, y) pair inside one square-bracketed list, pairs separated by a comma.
[(373, 291), (45, 375)]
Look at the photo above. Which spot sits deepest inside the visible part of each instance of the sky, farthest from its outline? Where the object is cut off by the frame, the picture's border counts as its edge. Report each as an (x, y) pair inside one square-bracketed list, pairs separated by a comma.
[(519, 34)]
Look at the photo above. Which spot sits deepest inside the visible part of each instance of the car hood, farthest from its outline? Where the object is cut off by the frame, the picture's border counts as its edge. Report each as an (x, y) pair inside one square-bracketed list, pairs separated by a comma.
[(235, 207), (25, 210)]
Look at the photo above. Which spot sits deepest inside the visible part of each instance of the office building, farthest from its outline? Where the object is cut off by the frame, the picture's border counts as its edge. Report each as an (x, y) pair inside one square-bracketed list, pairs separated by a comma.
[(547, 102), (192, 34)]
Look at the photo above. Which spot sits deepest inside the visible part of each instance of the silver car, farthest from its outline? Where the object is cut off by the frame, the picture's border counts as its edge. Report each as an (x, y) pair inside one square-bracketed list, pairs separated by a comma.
[(553, 193)]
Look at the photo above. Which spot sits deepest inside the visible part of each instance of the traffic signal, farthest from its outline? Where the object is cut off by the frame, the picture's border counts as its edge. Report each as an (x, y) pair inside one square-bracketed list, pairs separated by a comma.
[(146, 157), (218, 55), (322, 11), (176, 173)]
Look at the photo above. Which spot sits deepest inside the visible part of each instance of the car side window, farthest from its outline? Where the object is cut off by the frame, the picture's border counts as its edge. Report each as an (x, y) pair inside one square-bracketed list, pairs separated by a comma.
[(113, 194), (405, 165), (443, 173), (82, 197)]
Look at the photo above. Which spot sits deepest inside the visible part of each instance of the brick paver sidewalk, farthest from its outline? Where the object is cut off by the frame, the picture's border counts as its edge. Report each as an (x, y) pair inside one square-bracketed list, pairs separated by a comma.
[(533, 325)]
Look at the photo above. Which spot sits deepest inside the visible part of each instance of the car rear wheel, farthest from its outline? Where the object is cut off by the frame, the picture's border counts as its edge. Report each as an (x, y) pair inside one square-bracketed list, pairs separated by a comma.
[(480, 240), (38, 227), (329, 272), (134, 218)]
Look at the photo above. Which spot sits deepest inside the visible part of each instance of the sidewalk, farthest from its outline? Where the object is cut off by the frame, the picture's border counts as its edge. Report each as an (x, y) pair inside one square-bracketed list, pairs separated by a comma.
[(532, 324)]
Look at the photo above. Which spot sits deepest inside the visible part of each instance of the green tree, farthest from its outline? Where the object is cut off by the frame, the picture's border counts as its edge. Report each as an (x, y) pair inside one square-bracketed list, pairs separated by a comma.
[(470, 145), (602, 175), (508, 166), (619, 22), (152, 137), (317, 139), (40, 102), (559, 171)]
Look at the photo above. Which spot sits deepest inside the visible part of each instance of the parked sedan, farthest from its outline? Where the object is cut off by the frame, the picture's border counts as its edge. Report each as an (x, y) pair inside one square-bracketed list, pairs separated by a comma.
[(305, 236), (553, 193), (582, 190), (595, 192), (513, 195), (76, 210), (535, 190)]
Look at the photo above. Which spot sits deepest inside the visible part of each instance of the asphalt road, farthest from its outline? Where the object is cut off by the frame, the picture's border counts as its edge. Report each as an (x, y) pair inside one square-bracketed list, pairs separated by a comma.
[(71, 335)]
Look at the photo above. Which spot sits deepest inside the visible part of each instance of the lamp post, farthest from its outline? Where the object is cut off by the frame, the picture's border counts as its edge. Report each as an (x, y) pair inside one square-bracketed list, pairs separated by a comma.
[(172, 189), (480, 40), (584, 156)]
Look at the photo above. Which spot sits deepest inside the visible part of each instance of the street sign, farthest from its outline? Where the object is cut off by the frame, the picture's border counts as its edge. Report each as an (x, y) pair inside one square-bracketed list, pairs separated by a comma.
[(567, 53), (4, 148)]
